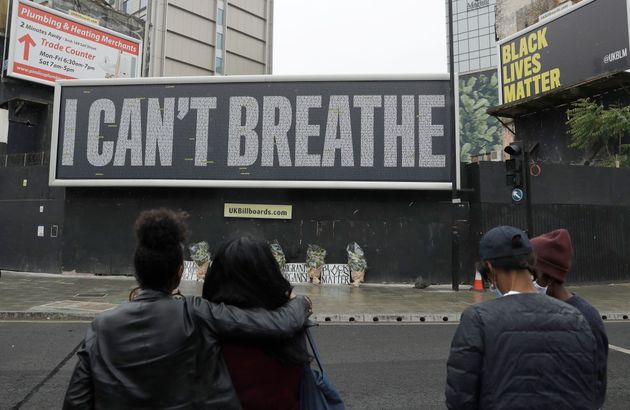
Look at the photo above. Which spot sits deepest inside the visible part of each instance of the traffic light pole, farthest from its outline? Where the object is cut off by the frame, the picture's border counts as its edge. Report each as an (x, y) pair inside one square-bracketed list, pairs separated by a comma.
[(528, 192)]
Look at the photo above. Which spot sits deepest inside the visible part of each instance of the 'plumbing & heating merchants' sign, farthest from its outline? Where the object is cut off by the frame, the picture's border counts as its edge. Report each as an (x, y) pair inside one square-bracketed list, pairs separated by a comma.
[(47, 45)]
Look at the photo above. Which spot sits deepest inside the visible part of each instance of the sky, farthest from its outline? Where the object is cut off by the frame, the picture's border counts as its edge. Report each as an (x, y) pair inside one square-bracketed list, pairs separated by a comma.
[(359, 36)]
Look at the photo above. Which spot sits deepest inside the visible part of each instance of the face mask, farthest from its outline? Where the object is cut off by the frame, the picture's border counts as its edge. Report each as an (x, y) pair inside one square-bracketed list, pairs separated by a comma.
[(495, 289), (540, 289)]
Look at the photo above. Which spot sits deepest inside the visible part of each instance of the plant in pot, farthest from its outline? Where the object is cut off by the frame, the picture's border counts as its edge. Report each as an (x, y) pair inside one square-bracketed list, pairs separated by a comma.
[(315, 259), (201, 256), (356, 263)]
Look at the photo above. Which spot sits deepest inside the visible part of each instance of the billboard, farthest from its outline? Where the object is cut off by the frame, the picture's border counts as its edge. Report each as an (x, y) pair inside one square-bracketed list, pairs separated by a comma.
[(584, 42), (255, 131), (479, 133), (47, 45)]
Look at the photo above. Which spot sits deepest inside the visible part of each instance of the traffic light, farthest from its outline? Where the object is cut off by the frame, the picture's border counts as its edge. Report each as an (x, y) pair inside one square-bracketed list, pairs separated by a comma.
[(514, 166), (514, 172)]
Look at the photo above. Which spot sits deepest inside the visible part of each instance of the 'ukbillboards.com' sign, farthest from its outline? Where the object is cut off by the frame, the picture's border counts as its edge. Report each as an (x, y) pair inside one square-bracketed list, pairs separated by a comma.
[(47, 45), (584, 42), (321, 132)]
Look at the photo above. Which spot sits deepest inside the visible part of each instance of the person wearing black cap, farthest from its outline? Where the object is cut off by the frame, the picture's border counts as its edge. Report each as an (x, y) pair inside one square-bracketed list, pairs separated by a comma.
[(554, 252), (523, 350)]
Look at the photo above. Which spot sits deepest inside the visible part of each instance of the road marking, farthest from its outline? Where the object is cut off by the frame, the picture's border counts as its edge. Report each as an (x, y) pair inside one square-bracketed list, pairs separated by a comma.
[(388, 323), (46, 321), (619, 349)]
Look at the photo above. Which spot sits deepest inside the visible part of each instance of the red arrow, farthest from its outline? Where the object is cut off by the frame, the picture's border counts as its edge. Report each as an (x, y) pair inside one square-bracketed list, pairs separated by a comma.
[(28, 42)]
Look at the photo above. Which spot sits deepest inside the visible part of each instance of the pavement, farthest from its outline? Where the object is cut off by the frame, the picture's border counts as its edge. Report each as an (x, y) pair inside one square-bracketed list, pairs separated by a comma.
[(31, 296)]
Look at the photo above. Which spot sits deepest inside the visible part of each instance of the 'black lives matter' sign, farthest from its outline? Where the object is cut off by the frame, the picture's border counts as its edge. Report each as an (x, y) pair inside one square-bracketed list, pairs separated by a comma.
[(255, 131), (589, 41)]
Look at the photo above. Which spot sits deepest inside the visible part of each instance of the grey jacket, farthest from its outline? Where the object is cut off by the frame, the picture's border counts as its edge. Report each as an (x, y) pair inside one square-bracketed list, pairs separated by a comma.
[(524, 351), (158, 352)]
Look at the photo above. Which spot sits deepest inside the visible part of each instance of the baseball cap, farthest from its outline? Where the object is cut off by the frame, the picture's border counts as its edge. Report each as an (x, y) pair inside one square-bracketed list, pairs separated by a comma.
[(503, 242)]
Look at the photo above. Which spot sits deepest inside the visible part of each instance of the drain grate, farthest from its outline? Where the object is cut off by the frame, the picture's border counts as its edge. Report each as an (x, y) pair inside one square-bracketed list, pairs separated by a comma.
[(90, 295)]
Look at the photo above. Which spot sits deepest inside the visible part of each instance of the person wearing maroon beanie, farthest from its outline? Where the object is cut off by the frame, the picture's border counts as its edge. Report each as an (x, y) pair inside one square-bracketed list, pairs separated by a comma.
[(554, 252)]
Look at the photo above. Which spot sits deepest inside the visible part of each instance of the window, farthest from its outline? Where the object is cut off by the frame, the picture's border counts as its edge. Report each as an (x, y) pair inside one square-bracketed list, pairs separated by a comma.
[(220, 17), (473, 44), (220, 41), (485, 62), (218, 65)]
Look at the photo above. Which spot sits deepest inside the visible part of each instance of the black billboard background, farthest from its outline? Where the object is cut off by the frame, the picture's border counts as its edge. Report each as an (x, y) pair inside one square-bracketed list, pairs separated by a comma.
[(183, 148), (579, 43)]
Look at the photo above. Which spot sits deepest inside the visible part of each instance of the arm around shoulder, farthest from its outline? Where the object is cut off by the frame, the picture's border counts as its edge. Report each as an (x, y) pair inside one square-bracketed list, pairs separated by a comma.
[(225, 320)]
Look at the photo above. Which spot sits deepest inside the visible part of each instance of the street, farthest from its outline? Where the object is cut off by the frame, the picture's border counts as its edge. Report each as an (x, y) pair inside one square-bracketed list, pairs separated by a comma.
[(375, 366)]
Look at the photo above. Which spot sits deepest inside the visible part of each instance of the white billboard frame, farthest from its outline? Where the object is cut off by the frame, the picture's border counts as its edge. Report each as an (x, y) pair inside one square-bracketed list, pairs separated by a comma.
[(183, 183), (13, 16)]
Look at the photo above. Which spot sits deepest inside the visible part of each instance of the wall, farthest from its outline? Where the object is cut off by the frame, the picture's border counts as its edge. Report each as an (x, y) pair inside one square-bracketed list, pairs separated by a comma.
[(516, 15), (20, 217), (404, 234), (592, 203)]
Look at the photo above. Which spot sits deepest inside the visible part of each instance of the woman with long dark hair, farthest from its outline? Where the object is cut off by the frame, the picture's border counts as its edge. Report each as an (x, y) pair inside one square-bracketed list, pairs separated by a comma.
[(162, 352), (266, 374)]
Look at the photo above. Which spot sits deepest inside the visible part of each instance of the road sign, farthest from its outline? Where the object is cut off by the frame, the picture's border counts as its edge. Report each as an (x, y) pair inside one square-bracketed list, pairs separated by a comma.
[(517, 195), (47, 45)]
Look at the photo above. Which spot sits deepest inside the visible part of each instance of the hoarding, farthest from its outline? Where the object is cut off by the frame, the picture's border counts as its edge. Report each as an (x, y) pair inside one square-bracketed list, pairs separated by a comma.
[(584, 42), (255, 131), (47, 45), (479, 132)]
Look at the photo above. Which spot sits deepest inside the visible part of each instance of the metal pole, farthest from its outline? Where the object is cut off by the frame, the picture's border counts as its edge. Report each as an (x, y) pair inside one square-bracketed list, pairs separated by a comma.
[(528, 192), (147, 38), (454, 194)]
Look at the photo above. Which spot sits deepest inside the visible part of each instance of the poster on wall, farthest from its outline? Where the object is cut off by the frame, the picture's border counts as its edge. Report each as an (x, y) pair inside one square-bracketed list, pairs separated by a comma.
[(47, 45), (255, 131), (581, 43), (479, 133)]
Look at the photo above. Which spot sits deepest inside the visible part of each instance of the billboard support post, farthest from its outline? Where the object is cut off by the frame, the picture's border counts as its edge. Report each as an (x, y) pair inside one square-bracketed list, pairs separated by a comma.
[(454, 194)]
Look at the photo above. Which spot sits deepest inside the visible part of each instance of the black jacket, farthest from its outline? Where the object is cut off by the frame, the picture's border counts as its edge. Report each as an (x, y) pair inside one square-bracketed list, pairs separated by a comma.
[(524, 351), (158, 352)]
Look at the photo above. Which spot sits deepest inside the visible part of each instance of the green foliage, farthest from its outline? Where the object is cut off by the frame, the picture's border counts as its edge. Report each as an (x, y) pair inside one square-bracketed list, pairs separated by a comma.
[(479, 132), (278, 254), (315, 256), (199, 253), (356, 258), (594, 128)]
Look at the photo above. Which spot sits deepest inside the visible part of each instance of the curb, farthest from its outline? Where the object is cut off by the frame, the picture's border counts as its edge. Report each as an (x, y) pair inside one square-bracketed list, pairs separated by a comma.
[(322, 318), (46, 316)]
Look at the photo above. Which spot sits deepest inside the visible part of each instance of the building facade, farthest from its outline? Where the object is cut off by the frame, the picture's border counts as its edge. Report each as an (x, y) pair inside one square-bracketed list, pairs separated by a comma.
[(516, 15), (215, 37), (474, 47)]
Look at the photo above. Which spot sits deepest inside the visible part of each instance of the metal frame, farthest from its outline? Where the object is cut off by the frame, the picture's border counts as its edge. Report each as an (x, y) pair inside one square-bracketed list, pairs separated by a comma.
[(13, 18), (187, 183)]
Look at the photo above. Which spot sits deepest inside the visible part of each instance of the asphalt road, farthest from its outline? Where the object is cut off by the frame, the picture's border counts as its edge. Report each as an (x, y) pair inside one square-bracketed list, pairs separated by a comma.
[(373, 366)]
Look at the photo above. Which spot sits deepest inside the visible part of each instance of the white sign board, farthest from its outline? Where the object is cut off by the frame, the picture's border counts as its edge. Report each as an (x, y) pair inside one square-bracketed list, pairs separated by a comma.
[(332, 274), (47, 45)]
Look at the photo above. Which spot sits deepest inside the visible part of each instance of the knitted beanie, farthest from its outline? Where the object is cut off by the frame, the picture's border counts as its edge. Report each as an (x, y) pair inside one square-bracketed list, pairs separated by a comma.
[(553, 253)]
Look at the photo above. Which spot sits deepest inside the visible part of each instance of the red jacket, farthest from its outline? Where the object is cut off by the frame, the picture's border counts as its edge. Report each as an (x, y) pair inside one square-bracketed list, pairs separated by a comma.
[(260, 381)]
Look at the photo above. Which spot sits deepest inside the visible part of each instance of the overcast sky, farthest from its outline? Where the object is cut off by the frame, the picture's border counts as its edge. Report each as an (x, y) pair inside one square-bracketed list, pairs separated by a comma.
[(359, 36)]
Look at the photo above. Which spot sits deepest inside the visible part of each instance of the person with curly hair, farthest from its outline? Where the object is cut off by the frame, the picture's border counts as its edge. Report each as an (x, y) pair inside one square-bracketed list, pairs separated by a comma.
[(162, 352)]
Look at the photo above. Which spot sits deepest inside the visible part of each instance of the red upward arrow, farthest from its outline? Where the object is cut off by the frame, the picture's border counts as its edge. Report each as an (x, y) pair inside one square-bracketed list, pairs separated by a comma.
[(28, 42)]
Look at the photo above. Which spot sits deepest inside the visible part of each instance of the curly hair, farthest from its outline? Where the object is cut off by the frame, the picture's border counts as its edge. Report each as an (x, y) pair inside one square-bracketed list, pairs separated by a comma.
[(159, 253)]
